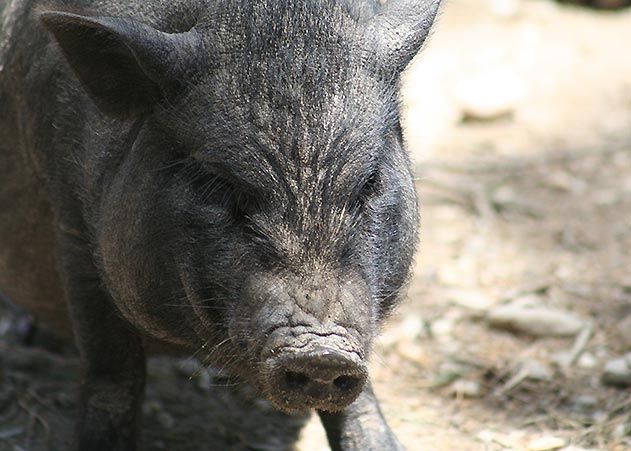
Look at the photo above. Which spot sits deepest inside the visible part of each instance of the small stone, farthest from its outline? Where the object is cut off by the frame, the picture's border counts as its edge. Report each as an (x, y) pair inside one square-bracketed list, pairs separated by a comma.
[(412, 352), (506, 441), (561, 359), (448, 372), (564, 181), (504, 9), (490, 95), (528, 300), (617, 372), (538, 321), (486, 436), (620, 431), (463, 388), (546, 443), (527, 370), (624, 332), (599, 417), (442, 327), (536, 370), (505, 194), (472, 299), (460, 273), (411, 327), (606, 197), (584, 403), (587, 361)]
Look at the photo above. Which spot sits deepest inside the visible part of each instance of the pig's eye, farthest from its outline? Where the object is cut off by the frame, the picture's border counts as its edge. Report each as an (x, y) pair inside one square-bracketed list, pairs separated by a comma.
[(371, 186), (216, 191), (241, 205), (368, 190)]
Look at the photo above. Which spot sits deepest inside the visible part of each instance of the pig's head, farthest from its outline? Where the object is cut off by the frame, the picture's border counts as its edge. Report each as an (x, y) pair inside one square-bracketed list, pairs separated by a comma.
[(246, 184)]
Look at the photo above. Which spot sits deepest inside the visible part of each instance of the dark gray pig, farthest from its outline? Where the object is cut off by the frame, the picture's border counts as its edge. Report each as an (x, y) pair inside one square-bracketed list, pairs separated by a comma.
[(225, 178)]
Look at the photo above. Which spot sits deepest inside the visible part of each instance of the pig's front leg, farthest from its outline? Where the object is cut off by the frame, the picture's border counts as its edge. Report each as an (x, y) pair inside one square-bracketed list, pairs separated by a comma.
[(360, 427), (111, 353)]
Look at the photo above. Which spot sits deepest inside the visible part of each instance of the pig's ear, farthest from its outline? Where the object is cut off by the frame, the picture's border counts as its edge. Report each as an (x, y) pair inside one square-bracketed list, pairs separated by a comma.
[(124, 65), (400, 29)]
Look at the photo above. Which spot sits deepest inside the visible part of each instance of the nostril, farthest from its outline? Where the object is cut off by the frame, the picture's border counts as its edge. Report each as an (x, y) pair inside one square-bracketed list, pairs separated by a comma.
[(296, 381), (346, 383)]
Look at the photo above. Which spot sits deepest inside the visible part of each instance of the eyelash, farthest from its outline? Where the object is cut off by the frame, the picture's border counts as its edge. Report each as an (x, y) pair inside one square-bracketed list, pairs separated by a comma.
[(367, 191), (209, 184)]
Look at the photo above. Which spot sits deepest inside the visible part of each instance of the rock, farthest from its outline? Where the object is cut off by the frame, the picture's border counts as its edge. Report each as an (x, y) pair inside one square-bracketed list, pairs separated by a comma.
[(448, 372), (504, 9), (462, 272), (606, 197), (508, 441), (620, 431), (505, 194), (587, 361), (411, 328), (617, 372), (412, 352), (442, 327), (472, 299), (490, 95), (536, 370), (600, 416), (566, 359), (562, 180), (584, 403), (527, 370), (528, 300), (535, 320), (463, 388), (623, 329), (546, 443)]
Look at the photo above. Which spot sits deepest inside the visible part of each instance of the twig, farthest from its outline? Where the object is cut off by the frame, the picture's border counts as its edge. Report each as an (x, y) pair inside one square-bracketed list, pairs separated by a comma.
[(473, 197), (577, 348)]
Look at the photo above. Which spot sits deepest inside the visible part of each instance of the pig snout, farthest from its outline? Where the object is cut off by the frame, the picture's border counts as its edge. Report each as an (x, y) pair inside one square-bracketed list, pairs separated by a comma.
[(315, 372), (325, 379)]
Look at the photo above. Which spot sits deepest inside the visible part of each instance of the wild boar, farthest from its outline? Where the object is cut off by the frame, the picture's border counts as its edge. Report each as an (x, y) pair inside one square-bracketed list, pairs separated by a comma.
[(221, 177)]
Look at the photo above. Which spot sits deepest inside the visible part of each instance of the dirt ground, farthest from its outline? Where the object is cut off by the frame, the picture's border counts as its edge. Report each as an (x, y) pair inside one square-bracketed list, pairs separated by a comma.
[(518, 115)]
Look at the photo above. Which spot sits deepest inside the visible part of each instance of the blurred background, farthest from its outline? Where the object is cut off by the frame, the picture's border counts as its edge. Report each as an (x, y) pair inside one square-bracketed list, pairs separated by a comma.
[(516, 334)]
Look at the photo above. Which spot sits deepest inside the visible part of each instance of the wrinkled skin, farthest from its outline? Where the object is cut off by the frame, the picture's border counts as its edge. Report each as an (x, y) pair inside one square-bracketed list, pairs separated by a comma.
[(218, 177)]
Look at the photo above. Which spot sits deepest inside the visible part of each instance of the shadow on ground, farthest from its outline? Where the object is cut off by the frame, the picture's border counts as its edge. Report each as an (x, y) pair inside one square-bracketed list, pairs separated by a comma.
[(186, 407)]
